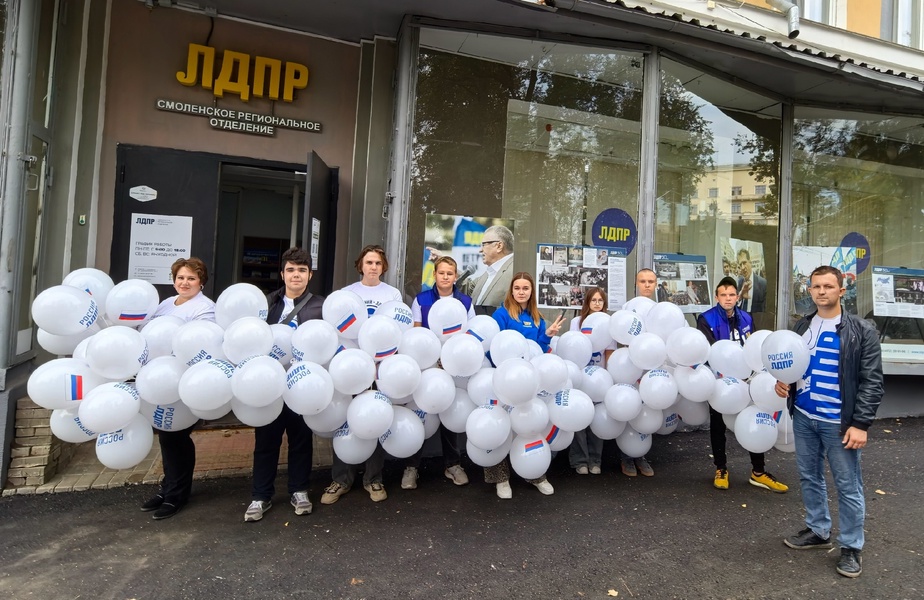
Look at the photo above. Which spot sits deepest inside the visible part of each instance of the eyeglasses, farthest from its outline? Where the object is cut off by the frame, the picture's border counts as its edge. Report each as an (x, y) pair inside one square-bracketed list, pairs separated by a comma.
[(489, 242)]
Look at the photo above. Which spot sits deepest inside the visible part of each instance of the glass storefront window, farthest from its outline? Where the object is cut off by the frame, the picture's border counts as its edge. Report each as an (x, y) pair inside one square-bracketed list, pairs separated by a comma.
[(718, 162), (858, 197), (543, 134)]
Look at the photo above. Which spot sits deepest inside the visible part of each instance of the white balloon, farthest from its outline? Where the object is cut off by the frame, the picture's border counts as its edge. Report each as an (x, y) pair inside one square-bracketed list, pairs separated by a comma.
[(574, 346), (436, 391), (405, 435), (530, 418), (64, 310), (626, 325), (530, 456), (398, 312), (131, 303), (62, 383), (454, 417), (483, 328), (640, 304), (575, 375), (240, 300), (462, 355), (447, 317), (634, 444), (658, 389), (669, 424), (422, 345), (94, 282), (246, 337), (692, 413), (553, 372), (488, 458), (308, 389), (109, 406), (752, 349), (81, 350), (258, 381), (346, 311), (207, 385), (172, 417), (688, 346), (729, 420), (125, 448), (730, 396), (67, 427), (648, 420), (315, 341), (508, 344), (515, 381), (379, 337), (158, 382), (333, 416), (664, 318), (647, 351), (431, 421), (352, 371), (117, 352), (370, 414), (282, 343), (597, 327), (257, 416), (212, 414), (785, 356), (622, 369), (351, 449), (481, 386), (158, 333), (571, 409), (755, 430), (696, 384), (596, 383), (603, 426), (488, 426), (763, 393), (558, 439), (623, 402), (399, 376), (727, 357), (63, 344), (198, 341)]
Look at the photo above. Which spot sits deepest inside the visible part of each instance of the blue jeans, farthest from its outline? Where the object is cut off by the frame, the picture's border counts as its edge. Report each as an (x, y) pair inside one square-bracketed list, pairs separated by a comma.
[(815, 441)]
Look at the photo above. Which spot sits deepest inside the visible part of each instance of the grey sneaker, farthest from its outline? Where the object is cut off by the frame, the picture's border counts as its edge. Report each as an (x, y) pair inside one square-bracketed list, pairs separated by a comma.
[(256, 509), (409, 479), (850, 564), (301, 503)]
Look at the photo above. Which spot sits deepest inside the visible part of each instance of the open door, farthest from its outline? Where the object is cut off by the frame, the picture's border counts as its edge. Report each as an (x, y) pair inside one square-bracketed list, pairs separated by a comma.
[(320, 223)]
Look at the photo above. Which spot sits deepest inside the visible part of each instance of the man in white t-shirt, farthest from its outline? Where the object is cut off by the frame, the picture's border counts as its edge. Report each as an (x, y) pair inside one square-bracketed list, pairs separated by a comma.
[(371, 264)]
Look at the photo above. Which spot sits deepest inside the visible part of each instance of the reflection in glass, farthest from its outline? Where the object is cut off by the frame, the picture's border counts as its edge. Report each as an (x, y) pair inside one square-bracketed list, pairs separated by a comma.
[(542, 133), (718, 162)]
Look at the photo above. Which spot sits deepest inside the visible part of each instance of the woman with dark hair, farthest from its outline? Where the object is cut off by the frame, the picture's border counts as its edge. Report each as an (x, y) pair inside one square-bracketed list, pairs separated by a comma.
[(586, 450), (177, 450), (520, 312)]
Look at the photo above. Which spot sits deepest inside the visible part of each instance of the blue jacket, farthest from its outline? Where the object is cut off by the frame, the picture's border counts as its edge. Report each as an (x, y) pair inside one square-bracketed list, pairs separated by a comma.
[(524, 325), (715, 325), (427, 298)]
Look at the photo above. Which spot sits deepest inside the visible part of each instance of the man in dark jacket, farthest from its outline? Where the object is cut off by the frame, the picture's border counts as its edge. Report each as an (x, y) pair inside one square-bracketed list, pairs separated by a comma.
[(293, 305), (725, 321), (833, 406)]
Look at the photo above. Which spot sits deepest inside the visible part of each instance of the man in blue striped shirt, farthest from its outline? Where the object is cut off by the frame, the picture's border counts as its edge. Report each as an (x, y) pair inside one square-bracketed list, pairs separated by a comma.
[(833, 406)]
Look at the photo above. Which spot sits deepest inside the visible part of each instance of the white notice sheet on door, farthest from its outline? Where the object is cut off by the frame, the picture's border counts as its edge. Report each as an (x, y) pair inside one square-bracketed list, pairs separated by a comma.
[(156, 242)]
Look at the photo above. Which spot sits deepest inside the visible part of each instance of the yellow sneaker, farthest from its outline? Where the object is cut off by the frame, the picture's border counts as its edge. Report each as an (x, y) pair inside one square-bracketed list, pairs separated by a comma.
[(721, 479), (768, 482)]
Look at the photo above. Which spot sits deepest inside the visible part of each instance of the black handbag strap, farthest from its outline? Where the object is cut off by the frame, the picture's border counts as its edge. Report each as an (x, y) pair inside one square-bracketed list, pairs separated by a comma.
[(297, 308)]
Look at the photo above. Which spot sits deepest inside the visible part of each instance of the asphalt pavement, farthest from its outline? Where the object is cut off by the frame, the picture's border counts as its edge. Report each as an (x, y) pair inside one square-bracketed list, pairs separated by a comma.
[(670, 536)]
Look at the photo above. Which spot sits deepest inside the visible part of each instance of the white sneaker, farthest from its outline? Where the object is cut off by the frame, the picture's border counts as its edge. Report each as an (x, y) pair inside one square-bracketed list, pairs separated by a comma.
[(545, 487), (595, 470), (582, 470), (301, 503), (457, 474), (503, 490), (409, 479), (256, 509)]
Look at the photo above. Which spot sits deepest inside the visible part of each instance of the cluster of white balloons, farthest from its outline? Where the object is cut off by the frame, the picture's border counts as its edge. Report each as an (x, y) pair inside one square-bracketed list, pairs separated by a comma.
[(520, 403)]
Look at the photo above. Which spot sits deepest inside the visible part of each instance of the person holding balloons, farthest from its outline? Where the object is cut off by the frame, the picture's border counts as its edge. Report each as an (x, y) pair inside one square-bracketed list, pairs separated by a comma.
[(292, 305), (520, 312), (726, 321), (371, 264), (586, 451), (445, 272), (177, 450)]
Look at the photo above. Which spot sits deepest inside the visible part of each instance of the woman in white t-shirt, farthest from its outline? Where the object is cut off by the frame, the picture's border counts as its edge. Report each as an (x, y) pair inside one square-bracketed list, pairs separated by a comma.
[(587, 449), (178, 452)]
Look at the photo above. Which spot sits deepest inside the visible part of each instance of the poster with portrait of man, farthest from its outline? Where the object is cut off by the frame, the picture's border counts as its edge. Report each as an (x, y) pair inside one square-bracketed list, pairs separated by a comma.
[(806, 258), (563, 284), (459, 237), (744, 260)]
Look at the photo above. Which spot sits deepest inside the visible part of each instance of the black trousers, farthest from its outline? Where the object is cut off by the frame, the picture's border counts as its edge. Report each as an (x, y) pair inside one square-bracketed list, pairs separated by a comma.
[(267, 443), (178, 453), (717, 431)]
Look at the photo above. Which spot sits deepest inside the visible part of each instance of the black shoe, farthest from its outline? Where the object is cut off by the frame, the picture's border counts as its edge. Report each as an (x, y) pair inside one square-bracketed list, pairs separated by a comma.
[(849, 564), (167, 510), (806, 540), (152, 503)]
